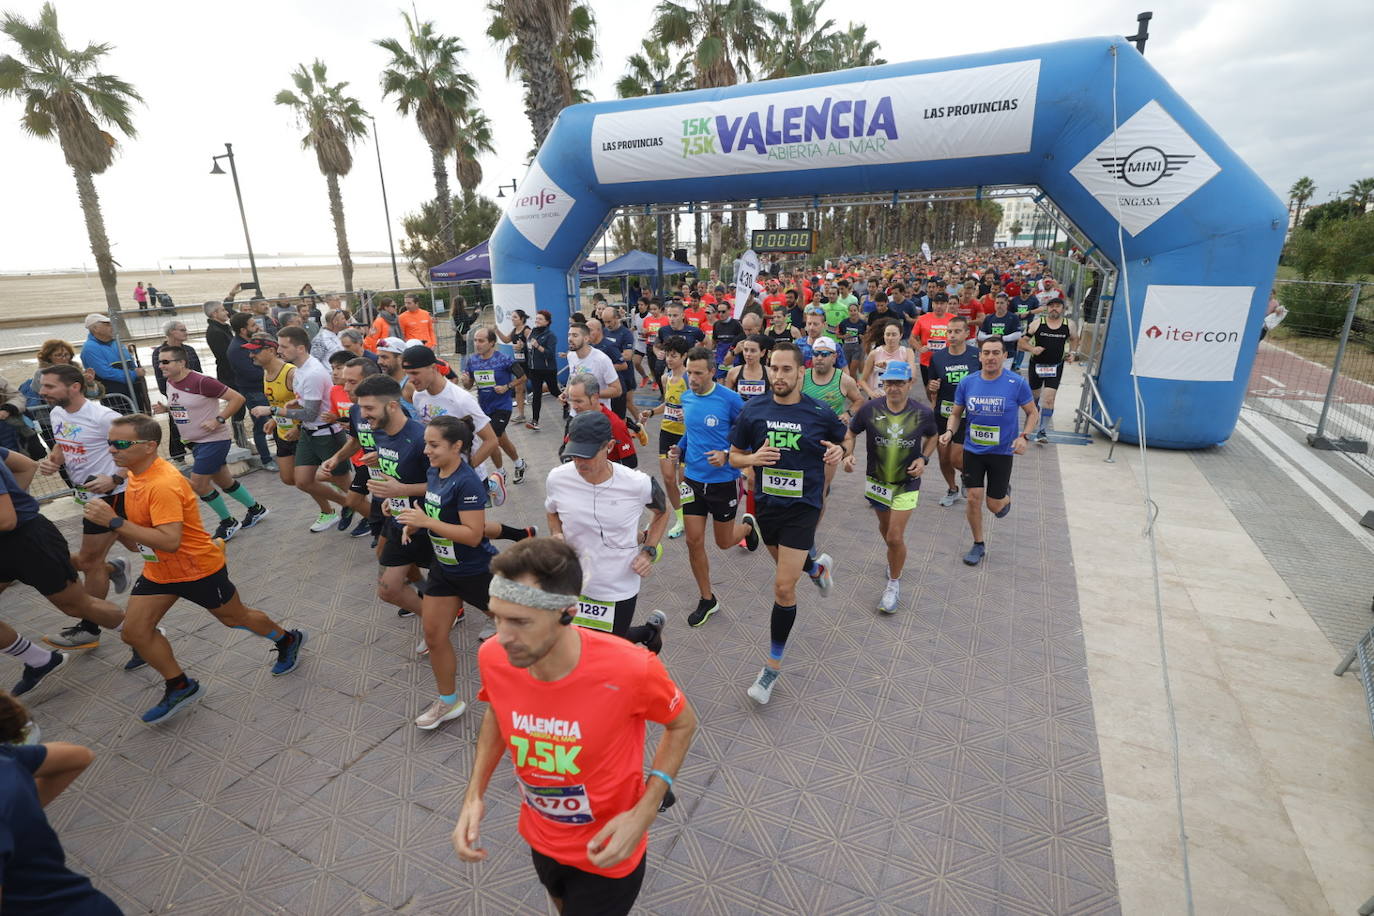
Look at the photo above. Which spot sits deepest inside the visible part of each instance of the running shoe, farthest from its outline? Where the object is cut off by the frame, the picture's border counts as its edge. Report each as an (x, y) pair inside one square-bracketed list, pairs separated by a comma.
[(822, 576), (975, 555), (656, 620), (254, 515), (362, 529), (345, 518), (705, 608), (325, 520), (402, 612), (676, 530), (754, 538), (532, 426), (762, 690), (270, 466), (174, 702), (531, 531), (119, 575), (75, 638), (487, 631), (1042, 437), (228, 527), (518, 418), (520, 467), (950, 498), (288, 655), (137, 661), (891, 595), (33, 675), (496, 486), (440, 712)]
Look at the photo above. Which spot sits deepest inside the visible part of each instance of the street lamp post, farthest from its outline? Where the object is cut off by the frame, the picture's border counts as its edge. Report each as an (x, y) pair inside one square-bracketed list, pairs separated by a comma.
[(386, 210), (658, 277), (216, 170)]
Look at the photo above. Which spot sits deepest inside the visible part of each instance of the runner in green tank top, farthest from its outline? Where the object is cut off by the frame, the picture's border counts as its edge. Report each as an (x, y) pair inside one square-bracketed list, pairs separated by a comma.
[(831, 387)]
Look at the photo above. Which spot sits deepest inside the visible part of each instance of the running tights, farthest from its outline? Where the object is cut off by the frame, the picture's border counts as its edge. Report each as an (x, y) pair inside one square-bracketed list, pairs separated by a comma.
[(539, 379)]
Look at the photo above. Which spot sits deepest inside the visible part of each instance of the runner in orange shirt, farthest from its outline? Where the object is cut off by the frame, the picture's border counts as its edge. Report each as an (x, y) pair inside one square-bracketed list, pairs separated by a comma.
[(417, 324), (571, 704), (931, 330), (161, 521)]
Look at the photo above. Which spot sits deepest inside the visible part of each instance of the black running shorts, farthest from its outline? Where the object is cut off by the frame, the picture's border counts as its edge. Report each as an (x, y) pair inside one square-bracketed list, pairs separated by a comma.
[(721, 499), (473, 590), (1038, 381), (394, 553), (89, 527), (990, 472), (587, 894), (212, 592), (36, 554), (792, 525)]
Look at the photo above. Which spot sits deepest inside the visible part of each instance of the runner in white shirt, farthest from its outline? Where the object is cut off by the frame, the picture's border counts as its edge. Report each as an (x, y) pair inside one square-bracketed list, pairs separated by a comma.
[(582, 357), (81, 428), (437, 396), (596, 505)]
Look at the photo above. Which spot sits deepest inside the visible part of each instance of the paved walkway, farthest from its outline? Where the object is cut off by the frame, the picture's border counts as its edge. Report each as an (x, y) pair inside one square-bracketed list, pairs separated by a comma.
[(940, 760)]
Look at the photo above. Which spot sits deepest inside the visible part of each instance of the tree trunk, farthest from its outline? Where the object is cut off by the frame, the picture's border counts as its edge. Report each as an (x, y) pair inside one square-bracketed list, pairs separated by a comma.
[(541, 78), (445, 201), (696, 239), (340, 230), (100, 245)]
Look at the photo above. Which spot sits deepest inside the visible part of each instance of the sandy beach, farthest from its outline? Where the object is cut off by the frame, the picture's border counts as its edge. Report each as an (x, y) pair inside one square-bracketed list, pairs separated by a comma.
[(43, 295)]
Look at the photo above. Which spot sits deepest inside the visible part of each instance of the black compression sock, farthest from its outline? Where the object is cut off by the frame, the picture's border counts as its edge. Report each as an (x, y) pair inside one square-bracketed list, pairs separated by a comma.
[(513, 534), (178, 683)]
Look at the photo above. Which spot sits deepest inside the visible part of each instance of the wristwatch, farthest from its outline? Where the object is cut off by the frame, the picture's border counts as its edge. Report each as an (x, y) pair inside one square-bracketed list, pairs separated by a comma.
[(651, 550), (221, 420), (114, 523)]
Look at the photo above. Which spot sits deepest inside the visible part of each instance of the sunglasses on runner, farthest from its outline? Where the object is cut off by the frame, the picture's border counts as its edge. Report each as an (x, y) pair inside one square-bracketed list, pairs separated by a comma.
[(122, 444)]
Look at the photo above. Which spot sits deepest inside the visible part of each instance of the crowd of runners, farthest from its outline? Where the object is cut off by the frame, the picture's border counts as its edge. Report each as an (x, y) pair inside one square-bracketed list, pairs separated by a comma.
[(761, 412)]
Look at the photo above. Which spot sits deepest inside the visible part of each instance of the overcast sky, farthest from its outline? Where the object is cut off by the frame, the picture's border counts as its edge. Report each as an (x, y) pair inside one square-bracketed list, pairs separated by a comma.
[(1287, 84)]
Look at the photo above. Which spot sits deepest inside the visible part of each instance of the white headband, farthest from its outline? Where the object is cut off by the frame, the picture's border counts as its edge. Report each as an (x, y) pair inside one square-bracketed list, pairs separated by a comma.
[(529, 595)]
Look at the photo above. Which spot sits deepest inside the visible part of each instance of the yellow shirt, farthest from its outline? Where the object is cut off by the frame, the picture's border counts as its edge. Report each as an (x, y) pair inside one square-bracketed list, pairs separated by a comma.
[(278, 393), (672, 404)]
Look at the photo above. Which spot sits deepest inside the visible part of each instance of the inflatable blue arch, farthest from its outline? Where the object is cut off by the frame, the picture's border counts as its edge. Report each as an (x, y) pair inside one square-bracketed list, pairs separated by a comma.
[(1195, 231)]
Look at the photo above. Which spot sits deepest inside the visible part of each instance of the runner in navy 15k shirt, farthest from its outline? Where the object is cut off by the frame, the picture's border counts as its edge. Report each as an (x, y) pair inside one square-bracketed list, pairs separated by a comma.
[(948, 367), (788, 439)]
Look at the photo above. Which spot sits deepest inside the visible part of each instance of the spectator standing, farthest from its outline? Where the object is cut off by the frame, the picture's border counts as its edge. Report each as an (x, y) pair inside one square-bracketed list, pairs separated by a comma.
[(141, 296), (326, 343), (218, 334), (417, 324), (248, 374)]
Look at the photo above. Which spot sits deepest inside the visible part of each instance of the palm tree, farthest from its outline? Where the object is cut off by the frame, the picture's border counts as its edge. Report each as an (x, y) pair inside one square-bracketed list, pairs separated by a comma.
[(723, 37), (474, 140), (653, 71), (332, 121), (1360, 192), (853, 48), (552, 45), (799, 42), (1300, 194), (66, 97), (426, 77)]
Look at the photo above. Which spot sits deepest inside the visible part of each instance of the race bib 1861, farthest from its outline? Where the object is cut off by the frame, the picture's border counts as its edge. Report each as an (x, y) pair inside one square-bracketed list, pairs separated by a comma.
[(985, 435)]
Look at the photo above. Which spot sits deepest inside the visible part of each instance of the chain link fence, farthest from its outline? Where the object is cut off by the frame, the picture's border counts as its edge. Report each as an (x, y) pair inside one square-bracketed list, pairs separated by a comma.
[(1315, 366)]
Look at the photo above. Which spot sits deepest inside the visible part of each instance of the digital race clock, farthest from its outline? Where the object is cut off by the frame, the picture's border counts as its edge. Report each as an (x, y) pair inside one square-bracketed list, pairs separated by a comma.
[(783, 240)]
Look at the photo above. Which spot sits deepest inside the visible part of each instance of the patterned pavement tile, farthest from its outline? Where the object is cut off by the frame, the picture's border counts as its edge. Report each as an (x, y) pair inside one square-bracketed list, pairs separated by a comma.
[(942, 759)]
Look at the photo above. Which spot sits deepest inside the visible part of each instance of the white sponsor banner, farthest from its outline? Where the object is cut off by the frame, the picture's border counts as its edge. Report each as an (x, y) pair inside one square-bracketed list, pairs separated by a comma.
[(1191, 333), (746, 272), (925, 250), (1151, 166), (539, 207), (981, 111), (507, 297)]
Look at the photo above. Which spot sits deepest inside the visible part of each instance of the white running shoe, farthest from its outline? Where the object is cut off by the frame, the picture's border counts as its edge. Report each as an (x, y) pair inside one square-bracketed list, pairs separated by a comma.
[(950, 498), (496, 486), (326, 521), (823, 579), (762, 690), (438, 713), (891, 595)]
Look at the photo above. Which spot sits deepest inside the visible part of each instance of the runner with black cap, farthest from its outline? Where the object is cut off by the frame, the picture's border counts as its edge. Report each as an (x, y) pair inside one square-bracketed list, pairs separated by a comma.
[(436, 396), (596, 506), (901, 433), (1050, 340), (579, 762), (789, 439)]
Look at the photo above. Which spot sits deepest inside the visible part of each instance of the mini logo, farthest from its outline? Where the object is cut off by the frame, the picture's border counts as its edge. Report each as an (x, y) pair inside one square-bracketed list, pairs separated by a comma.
[(1153, 331), (1146, 168), (1145, 165)]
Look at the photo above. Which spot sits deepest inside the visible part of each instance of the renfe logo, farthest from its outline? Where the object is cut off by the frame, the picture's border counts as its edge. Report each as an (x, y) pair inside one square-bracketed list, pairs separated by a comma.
[(1154, 332), (545, 196)]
